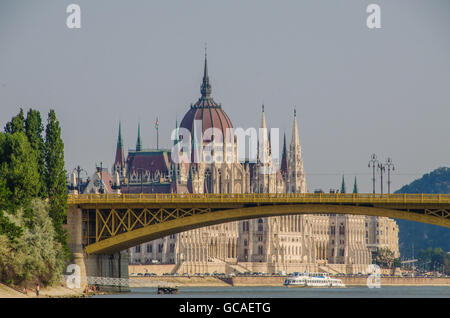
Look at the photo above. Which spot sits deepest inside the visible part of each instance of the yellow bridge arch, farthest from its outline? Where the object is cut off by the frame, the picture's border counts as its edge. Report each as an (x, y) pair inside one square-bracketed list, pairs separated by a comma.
[(114, 222)]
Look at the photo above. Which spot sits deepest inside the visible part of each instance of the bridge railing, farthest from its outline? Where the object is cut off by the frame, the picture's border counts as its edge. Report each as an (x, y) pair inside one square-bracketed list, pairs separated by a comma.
[(260, 197)]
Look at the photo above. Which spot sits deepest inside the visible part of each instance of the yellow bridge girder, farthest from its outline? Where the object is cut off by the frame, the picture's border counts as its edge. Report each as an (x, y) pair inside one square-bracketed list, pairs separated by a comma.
[(125, 220)]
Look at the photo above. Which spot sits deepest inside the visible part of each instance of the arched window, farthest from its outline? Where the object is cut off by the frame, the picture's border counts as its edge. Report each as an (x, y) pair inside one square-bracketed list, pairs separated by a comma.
[(260, 225)]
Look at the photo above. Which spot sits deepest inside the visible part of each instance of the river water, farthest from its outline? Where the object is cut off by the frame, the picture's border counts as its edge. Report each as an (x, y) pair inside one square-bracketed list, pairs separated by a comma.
[(283, 292)]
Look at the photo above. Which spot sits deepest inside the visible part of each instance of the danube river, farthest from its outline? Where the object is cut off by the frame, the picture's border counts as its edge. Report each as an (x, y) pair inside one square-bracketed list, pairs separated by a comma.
[(283, 292)]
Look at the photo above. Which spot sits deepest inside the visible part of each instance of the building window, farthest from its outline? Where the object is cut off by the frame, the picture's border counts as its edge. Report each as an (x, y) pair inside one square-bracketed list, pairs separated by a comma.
[(260, 250), (333, 230), (149, 248), (138, 248), (260, 225), (245, 243)]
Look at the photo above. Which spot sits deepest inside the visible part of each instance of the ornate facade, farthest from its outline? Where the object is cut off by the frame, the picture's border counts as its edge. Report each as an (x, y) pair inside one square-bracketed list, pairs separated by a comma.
[(335, 243)]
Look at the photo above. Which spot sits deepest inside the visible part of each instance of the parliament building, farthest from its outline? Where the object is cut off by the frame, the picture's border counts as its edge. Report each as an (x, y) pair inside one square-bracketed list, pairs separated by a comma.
[(324, 242)]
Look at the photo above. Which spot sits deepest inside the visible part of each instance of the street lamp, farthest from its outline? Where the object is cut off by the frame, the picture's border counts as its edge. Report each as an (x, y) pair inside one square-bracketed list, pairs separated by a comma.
[(373, 163), (79, 170), (390, 165), (382, 168), (101, 177)]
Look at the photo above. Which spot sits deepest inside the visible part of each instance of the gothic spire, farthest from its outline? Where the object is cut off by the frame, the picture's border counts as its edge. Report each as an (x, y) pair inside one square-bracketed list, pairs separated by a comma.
[(296, 180), (119, 162), (119, 139), (139, 142), (284, 159), (263, 118), (295, 139), (206, 87), (355, 187), (343, 185)]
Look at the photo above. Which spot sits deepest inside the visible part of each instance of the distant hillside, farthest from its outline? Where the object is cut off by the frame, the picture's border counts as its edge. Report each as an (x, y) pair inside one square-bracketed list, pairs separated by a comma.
[(423, 235)]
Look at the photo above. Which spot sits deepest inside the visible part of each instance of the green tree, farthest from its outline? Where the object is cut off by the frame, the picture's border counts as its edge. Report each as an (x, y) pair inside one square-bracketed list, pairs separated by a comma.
[(10, 230), (385, 258), (37, 257), (55, 177), (16, 124), (34, 131), (18, 170)]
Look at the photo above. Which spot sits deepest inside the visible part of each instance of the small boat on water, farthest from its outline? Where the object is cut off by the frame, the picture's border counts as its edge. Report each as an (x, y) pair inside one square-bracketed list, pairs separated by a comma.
[(167, 290), (313, 280)]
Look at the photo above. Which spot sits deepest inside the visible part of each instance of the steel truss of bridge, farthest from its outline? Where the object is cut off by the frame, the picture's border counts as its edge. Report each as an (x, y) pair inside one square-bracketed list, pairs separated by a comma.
[(118, 221)]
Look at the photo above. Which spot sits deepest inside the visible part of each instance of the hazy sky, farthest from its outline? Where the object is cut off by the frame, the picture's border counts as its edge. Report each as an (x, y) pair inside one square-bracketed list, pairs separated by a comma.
[(357, 91)]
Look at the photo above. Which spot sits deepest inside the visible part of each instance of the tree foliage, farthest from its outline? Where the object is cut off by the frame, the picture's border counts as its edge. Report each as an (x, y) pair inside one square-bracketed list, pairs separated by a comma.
[(34, 131), (434, 260), (37, 256), (55, 177), (33, 200), (18, 169), (17, 124), (385, 258)]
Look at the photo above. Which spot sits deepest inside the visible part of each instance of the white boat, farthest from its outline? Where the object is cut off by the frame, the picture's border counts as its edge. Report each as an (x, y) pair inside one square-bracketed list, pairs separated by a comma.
[(313, 280)]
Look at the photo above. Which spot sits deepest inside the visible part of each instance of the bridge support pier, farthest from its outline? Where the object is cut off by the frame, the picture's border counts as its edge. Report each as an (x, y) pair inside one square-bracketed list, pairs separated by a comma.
[(108, 271)]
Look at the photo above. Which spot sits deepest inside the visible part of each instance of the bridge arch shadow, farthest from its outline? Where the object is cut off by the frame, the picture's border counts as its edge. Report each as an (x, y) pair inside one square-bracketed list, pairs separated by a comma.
[(148, 233)]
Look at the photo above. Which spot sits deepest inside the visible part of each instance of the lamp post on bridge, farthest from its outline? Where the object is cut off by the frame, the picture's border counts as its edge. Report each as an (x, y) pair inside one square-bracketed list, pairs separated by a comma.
[(390, 165), (373, 163), (79, 170), (382, 169), (102, 190)]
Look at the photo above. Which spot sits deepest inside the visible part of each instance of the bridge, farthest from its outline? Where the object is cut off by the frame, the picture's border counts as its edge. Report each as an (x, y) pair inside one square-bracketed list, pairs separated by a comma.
[(102, 225), (125, 220)]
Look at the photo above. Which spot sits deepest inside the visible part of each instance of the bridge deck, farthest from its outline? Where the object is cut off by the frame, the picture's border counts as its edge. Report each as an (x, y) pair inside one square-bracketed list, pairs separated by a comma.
[(263, 198), (119, 221)]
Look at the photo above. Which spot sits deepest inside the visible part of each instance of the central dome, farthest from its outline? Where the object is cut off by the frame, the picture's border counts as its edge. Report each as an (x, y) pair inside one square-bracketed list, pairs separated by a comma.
[(206, 110)]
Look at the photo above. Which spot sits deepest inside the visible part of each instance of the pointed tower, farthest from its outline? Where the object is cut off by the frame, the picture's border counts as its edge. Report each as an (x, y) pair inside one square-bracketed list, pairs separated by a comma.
[(284, 160), (139, 142), (343, 190), (119, 162), (266, 177), (296, 179), (355, 187), (205, 88)]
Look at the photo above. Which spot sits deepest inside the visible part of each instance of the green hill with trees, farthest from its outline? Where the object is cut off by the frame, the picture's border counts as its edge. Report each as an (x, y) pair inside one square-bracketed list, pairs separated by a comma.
[(419, 235)]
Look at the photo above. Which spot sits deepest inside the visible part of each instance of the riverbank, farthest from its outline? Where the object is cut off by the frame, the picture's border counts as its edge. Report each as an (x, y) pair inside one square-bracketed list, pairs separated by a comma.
[(48, 292), (258, 281)]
